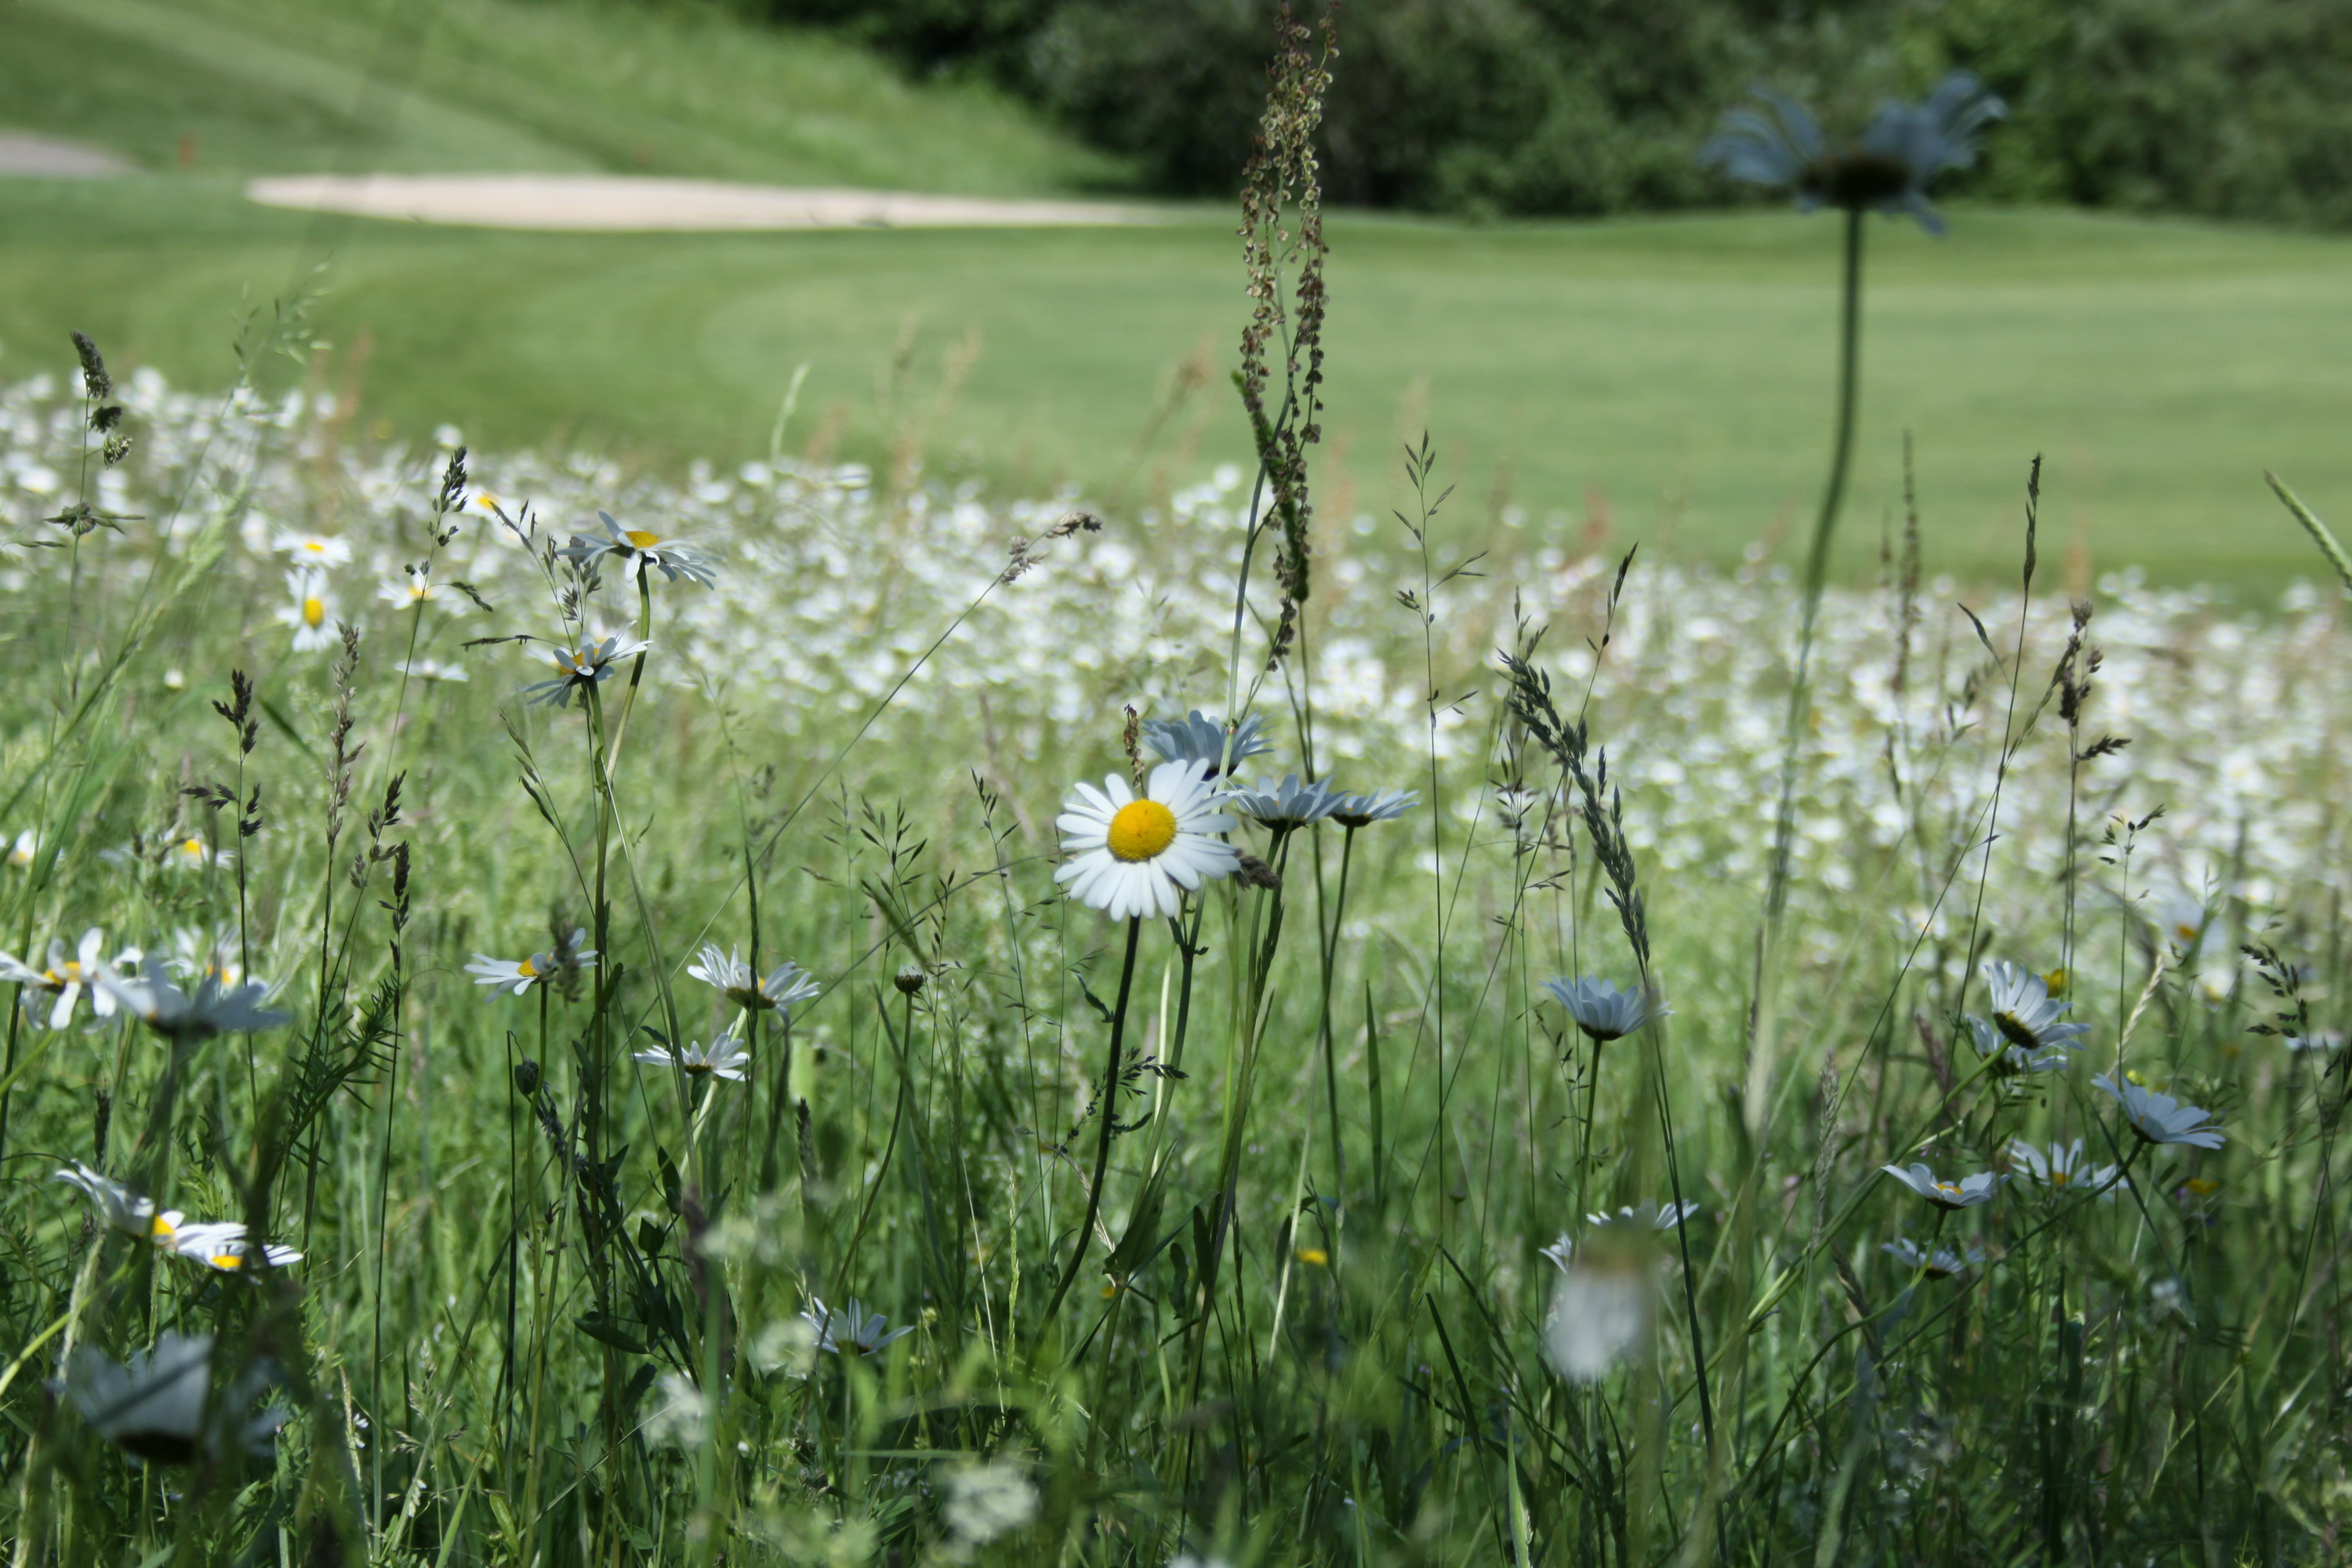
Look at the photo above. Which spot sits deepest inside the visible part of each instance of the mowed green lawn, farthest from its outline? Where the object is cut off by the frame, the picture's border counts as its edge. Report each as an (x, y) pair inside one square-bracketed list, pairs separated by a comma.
[(1672, 375)]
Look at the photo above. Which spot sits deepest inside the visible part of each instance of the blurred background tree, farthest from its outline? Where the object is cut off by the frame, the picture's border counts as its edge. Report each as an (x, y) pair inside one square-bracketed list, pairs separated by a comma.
[(2234, 109)]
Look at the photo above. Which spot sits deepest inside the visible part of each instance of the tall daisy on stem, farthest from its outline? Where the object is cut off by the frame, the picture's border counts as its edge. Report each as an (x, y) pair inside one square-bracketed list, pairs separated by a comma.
[(1888, 169), (1131, 855)]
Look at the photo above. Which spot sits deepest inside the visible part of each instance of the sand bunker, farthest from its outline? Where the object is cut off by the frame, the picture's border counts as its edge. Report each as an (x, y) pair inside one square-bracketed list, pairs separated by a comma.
[(22, 152), (613, 203)]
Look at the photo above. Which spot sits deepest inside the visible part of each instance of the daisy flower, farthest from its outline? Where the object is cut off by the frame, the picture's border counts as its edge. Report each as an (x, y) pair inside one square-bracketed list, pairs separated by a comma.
[(194, 956), (1558, 1252), (1943, 1263), (311, 615), (1966, 1192), (514, 975), (1196, 739), (581, 669), (1380, 806), (1286, 805), (432, 669), (416, 588), (313, 551), (221, 1246), (780, 987), (66, 979), (2179, 919), (2022, 1012), (2160, 1118), (153, 1405), (187, 1016), (1604, 1012), (195, 854), (2011, 1059), (1889, 169), (1600, 1311), (1656, 1216), (27, 845), (1135, 854), (854, 1330), (118, 1206), (637, 549), (2061, 1168), (722, 1057)]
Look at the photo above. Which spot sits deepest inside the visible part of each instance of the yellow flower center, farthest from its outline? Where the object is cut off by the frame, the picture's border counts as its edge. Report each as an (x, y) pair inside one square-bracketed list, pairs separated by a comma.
[(314, 547), (314, 610), (526, 970), (2055, 982), (2060, 1178), (2203, 1187), (1142, 830), (164, 1229), (227, 1260), (1947, 1189), (641, 539), (193, 848), (1314, 1257)]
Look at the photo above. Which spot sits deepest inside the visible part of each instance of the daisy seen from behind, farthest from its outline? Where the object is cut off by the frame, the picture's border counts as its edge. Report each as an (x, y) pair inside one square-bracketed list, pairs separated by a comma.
[(1196, 738), (2160, 1118), (1356, 811), (1286, 806), (853, 1331), (186, 1016), (1604, 1012), (1136, 854), (1942, 1263), (724, 1056)]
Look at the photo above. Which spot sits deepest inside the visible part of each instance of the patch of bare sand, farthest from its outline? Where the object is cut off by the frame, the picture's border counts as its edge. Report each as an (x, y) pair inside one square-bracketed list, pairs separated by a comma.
[(615, 203), (53, 157)]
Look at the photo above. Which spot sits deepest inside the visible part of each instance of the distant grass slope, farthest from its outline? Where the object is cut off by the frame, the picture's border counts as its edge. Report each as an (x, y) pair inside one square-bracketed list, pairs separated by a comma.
[(1673, 376), (1670, 377), (278, 85)]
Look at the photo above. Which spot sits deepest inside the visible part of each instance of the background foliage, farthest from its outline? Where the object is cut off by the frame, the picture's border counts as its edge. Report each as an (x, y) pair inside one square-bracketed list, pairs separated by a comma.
[(1574, 107)]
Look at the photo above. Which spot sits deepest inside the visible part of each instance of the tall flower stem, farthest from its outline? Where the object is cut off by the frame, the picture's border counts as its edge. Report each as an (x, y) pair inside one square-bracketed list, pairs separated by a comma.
[(1106, 1112), (1776, 898), (1330, 961), (1817, 562)]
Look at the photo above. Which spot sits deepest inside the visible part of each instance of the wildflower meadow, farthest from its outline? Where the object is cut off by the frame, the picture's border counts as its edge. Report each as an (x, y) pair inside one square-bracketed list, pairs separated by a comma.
[(808, 1014)]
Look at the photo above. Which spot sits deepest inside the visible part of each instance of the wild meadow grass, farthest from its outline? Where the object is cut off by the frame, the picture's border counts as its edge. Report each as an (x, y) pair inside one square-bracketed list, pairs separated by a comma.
[(557, 1303), (820, 1016)]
